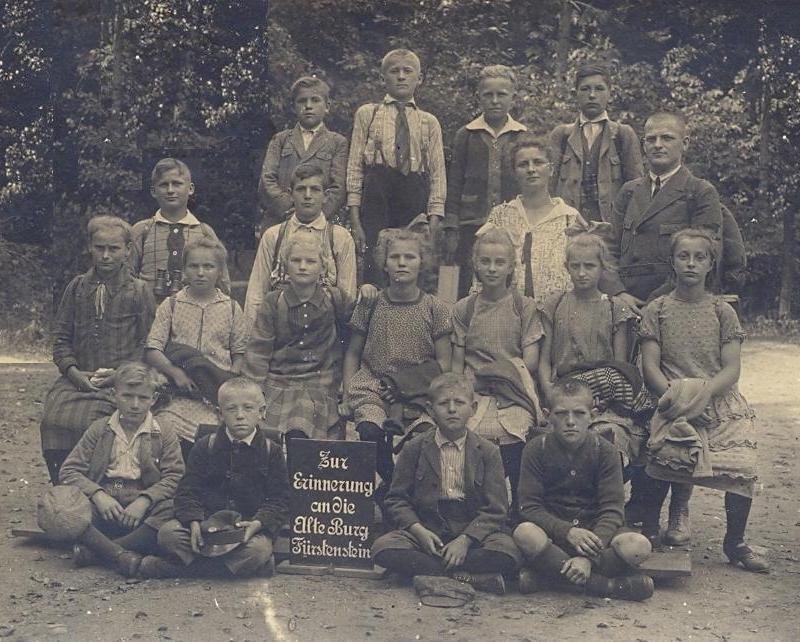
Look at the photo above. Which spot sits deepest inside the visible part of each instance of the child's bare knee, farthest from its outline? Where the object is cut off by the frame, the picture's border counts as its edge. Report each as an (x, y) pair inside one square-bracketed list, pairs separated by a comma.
[(632, 548), (531, 539)]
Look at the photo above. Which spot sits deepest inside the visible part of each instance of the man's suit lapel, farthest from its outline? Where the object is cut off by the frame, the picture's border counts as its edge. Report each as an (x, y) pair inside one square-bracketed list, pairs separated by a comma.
[(471, 459), (671, 192)]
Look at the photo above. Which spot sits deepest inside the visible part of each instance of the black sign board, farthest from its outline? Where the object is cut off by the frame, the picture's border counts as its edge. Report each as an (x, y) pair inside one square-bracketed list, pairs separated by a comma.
[(332, 491)]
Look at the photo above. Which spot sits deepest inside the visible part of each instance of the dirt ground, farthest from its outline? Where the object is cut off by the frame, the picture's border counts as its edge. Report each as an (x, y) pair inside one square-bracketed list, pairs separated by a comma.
[(45, 598)]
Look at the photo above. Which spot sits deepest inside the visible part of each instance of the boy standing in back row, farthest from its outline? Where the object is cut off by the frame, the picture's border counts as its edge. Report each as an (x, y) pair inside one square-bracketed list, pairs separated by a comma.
[(308, 142), (396, 167), (480, 174), (594, 156), (158, 241)]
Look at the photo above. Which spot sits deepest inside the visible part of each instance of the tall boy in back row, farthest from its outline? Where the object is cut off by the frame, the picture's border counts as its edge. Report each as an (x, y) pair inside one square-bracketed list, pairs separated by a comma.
[(480, 174), (396, 166), (309, 142), (594, 156)]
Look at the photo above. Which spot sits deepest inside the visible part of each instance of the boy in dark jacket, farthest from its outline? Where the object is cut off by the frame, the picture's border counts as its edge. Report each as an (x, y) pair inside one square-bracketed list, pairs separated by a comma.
[(480, 174), (571, 494), (593, 156), (448, 499), (239, 469)]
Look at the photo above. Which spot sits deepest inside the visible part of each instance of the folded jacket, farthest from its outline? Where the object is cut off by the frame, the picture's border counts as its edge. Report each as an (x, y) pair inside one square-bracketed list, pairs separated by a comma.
[(409, 389), (206, 376), (509, 381), (674, 441)]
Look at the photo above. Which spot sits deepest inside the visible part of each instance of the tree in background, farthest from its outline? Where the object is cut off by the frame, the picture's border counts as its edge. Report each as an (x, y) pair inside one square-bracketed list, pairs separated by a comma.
[(727, 66), (159, 79), (134, 80)]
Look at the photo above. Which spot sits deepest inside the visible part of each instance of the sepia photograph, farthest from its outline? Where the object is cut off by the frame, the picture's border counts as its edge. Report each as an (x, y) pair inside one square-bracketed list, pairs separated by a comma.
[(399, 320)]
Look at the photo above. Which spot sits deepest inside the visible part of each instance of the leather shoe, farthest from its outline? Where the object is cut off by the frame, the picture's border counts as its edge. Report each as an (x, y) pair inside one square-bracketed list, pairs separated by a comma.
[(747, 557)]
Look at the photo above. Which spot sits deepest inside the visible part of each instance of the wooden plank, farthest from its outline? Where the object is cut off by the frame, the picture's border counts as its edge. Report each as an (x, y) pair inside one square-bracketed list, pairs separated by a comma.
[(286, 567), (668, 562), (31, 533)]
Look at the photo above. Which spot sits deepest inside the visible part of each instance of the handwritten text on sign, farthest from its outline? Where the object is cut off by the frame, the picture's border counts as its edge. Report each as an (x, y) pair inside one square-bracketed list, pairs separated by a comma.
[(332, 490)]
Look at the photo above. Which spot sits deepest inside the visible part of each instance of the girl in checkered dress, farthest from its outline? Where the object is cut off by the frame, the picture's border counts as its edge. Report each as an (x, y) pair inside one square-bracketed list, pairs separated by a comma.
[(102, 321), (295, 347)]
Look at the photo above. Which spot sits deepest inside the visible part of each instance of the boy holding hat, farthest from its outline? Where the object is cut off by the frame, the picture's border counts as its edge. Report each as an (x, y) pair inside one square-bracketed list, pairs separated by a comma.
[(232, 501)]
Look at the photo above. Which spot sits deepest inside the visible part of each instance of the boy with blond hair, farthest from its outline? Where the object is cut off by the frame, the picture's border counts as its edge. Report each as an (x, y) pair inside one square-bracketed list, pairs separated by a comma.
[(396, 167), (158, 242), (448, 499), (480, 174)]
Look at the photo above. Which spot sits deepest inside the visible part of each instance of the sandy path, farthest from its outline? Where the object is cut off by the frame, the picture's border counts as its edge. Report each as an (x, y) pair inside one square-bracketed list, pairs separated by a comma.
[(46, 599)]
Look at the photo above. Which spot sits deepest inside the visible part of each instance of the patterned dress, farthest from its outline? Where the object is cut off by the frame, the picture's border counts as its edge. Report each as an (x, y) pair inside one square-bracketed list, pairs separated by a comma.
[(398, 335), (216, 328), (548, 243), (691, 336), (496, 331)]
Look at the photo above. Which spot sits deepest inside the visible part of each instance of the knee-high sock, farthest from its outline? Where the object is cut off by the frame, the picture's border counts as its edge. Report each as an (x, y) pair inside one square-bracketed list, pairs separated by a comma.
[(143, 539), (102, 546), (653, 493), (384, 463), (550, 560), (408, 562), (481, 560), (737, 511)]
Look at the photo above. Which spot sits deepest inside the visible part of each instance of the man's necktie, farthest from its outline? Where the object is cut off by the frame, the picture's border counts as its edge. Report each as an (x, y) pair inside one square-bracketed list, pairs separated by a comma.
[(402, 140), (657, 185), (527, 246)]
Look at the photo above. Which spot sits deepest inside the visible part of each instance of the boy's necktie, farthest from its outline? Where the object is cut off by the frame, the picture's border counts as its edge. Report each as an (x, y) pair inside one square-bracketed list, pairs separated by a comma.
[(175, 244), (100, 295), (657, 187), (402, 140), (527, 247)]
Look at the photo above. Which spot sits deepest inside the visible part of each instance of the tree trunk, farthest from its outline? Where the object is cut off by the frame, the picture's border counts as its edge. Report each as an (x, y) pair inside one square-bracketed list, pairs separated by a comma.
[(788, 264), (562, 46)]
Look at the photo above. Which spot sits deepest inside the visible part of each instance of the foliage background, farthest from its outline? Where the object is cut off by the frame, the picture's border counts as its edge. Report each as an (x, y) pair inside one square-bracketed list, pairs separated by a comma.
[(92, 92)]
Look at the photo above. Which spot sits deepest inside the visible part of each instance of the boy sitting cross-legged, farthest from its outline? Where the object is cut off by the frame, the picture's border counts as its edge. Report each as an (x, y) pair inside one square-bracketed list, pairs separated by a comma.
[(448, 499), (239, 469), (129, 467), (571, 494)]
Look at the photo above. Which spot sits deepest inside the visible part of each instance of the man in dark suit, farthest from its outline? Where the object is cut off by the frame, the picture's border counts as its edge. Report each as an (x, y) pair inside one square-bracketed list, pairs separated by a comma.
[(448, 499), (647, 212)]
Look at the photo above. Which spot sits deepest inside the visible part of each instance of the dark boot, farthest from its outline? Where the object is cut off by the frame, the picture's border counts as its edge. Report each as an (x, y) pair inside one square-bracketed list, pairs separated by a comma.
[(678, 532)]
